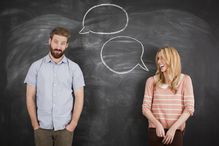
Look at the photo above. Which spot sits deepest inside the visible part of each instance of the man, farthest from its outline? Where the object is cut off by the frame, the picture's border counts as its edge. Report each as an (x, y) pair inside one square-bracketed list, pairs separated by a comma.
[(51, 81)]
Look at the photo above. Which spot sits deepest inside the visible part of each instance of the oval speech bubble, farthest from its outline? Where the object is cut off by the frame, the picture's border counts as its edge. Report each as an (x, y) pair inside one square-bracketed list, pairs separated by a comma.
[(122, 54), (105, 19)]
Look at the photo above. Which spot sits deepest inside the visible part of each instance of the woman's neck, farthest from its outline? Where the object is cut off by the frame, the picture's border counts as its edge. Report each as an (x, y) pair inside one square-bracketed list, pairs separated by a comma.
[(166, 78)]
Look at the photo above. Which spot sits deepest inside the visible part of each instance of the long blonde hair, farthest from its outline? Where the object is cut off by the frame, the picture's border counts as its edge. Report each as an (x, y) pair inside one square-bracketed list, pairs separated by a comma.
[(172, 59)]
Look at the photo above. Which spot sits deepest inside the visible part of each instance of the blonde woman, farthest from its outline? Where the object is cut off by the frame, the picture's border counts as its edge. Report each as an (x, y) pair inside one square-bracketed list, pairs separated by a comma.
[(168, 100)]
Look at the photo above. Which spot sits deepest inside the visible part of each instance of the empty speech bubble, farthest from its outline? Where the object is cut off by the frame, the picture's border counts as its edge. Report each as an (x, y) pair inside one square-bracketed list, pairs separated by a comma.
[(104, 19), (122, 54)]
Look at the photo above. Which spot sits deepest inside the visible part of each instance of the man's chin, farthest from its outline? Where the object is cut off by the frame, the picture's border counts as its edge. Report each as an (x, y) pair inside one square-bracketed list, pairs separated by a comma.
[(57, 56)]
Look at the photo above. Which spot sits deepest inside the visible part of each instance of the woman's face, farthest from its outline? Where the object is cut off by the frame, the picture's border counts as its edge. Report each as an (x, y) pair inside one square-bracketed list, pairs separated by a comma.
[(161, 63)]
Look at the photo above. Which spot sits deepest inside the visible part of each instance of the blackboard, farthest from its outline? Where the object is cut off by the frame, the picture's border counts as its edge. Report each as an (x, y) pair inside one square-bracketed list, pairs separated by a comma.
[(114, 42)]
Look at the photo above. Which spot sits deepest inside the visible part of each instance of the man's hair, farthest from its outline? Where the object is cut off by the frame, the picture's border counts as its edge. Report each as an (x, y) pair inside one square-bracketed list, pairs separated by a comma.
[(60, 31)]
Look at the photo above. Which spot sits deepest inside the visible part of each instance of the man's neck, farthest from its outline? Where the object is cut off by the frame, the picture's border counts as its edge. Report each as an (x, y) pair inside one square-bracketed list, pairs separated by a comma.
[(56, 60)]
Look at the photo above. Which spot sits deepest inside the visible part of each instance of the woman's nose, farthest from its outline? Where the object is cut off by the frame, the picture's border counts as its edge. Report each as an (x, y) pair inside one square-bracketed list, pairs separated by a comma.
[(158, 61)]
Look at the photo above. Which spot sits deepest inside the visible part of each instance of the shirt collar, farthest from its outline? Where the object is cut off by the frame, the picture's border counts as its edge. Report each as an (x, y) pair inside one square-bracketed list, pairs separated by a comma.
[(64, 59)]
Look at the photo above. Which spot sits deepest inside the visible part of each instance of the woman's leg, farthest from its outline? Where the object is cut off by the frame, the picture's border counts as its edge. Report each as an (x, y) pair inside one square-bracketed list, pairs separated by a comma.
[(153, 139)]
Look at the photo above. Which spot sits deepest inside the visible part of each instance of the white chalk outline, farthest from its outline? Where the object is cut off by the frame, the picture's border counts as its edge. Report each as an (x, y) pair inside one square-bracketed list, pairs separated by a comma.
[(90, 31), (124, 72)]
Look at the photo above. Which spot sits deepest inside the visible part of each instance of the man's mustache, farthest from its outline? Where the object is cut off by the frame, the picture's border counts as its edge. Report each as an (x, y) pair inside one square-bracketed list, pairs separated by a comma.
[(57, 50)]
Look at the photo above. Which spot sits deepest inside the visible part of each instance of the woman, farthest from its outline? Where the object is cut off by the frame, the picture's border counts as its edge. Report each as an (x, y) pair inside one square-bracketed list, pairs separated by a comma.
[(168, 100)]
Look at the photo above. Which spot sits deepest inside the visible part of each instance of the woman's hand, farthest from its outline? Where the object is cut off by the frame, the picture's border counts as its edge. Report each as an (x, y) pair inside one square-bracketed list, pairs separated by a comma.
[(168, 139), (160, 130)]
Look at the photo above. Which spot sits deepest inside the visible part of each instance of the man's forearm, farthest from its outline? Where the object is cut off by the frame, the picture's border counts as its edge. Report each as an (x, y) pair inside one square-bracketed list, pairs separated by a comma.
[(78, 106), (31, 108), (31, 105)]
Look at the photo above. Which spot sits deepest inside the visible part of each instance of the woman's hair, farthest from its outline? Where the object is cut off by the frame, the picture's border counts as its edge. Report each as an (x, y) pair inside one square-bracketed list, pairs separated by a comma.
[(60, 31), (171, 57)]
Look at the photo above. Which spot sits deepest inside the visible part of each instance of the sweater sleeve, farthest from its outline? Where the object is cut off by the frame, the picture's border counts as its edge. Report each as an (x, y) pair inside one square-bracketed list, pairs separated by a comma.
[(188, 95), (149, 87)]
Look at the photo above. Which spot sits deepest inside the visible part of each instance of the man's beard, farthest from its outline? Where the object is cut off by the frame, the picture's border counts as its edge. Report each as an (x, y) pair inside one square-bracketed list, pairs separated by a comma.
[(56, 53)]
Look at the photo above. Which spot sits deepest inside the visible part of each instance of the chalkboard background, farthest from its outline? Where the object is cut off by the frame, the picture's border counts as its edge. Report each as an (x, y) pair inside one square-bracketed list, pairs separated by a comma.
[(112, 112)]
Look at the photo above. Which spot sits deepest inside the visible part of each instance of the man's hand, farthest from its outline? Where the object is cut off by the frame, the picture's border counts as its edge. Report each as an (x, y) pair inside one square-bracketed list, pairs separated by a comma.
[(71, 127)]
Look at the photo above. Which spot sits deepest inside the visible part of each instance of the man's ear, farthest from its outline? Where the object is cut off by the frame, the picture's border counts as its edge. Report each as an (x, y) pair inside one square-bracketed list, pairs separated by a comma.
[(67, 45), (49, 41)]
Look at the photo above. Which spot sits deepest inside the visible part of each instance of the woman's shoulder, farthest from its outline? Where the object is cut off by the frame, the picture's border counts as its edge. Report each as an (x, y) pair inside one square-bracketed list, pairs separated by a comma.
[(150, 80), (186, 77)]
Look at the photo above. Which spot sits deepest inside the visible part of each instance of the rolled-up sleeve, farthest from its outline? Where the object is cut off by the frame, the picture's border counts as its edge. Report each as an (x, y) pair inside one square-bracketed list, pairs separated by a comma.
[(78, 78), (149, 87), (31, 75), (188, 96)]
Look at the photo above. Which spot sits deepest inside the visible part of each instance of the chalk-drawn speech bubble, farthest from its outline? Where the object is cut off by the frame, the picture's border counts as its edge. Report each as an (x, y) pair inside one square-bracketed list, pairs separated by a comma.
[(104, 19), (122, 54)]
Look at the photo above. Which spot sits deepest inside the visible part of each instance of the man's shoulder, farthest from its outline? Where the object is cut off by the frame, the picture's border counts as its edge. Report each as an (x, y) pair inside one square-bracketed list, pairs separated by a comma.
[(38, 62), (72, 63)]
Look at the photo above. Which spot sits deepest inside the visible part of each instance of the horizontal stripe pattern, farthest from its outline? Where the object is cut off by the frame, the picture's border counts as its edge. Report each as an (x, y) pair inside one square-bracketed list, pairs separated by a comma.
[(166, 106)]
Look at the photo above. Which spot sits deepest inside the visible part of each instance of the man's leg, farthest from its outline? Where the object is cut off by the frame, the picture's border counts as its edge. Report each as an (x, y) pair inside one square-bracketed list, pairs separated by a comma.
[(63, 138), (43, 137)]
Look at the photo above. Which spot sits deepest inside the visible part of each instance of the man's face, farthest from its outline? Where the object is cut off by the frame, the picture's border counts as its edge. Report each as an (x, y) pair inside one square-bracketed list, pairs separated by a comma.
[(58, 44)]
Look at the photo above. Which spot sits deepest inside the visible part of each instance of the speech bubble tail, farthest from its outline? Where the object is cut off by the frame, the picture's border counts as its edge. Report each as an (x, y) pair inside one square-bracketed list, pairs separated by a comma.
[(84, 30), (143, 66)]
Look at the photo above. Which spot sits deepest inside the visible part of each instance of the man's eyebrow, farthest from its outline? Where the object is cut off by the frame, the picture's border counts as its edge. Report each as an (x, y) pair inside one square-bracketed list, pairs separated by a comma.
[(58, 40)]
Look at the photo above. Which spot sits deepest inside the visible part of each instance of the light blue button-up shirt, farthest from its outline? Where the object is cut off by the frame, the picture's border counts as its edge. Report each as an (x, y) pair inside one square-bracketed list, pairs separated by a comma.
[(54, 86)]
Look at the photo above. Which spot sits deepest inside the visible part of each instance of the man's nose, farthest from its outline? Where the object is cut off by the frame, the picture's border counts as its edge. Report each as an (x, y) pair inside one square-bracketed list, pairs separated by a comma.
[(59, 45)]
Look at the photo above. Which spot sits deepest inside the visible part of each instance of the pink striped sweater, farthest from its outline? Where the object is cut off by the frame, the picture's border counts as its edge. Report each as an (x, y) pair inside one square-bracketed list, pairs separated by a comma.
[(167, 106)]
